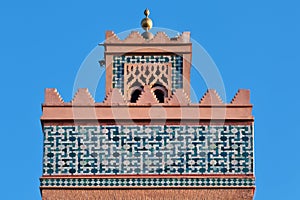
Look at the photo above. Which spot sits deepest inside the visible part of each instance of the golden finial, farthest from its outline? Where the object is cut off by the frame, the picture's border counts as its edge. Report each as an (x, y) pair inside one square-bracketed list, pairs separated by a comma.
[(147, 12), (146, 23)]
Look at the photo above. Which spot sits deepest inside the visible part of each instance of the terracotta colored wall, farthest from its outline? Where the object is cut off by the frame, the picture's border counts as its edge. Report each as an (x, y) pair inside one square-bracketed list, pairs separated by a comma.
[(200, 194)]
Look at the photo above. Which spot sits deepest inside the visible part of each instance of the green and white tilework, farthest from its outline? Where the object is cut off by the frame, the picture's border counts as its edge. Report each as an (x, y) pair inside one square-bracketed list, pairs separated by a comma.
[(165, 149), (147, 182)]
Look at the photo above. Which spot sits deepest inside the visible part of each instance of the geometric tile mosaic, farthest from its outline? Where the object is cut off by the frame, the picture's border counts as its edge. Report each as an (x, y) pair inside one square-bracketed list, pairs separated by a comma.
[(146, 182), (119, 61), (148, 149)]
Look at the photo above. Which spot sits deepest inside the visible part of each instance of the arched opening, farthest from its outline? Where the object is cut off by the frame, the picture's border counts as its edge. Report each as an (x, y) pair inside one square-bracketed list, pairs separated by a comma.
[(160, 95), (135, 95), (160, 92)]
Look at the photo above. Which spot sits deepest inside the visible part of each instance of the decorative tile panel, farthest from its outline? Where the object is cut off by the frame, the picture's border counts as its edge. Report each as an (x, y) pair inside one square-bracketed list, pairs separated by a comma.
[(147, 182), (107, 150), (119, 61), (137, 75)]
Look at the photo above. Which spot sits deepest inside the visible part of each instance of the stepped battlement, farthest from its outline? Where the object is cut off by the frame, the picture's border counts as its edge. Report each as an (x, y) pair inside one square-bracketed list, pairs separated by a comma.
[(115, 97), (177, 107)]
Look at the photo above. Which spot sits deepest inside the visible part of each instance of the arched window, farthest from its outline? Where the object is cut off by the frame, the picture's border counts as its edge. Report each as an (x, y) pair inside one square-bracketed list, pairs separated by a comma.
[(160, 92), (136, 92), (135, 95), (159, 95)]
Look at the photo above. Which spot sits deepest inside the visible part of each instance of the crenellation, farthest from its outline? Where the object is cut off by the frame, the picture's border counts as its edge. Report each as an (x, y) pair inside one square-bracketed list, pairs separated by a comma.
[(114, 97), (110, 36), (179, 98), (52, 97), (83, 97), (211, 97), (135, 37), (241, 97)]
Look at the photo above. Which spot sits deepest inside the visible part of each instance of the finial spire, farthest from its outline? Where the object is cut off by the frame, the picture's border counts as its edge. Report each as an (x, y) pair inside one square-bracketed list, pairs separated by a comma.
[(146, 23), (147, 12)]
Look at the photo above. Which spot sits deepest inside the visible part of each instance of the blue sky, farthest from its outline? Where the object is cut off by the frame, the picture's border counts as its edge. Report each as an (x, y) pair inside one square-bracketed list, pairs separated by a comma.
[(255, 45)]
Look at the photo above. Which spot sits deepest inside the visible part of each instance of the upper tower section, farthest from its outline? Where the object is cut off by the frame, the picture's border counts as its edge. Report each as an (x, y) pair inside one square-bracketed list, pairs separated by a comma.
[(144, 60)]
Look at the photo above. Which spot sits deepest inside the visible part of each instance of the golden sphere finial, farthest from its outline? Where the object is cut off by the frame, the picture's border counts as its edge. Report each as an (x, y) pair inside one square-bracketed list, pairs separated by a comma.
[(147, 23)]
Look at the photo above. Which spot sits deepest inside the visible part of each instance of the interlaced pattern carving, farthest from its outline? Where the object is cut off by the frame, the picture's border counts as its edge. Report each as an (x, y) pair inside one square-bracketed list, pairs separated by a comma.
[(119, 63), (137, 75)]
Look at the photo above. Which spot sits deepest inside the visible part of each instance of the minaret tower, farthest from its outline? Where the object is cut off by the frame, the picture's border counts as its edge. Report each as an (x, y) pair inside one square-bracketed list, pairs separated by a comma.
[(147, 140)]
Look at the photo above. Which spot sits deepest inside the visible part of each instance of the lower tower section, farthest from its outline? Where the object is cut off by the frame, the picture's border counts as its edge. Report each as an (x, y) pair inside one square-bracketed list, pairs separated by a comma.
[(169, 156)]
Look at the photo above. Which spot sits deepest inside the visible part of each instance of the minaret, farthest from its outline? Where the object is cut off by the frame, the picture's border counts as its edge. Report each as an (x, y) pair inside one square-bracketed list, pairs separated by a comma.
[(147, 140)]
